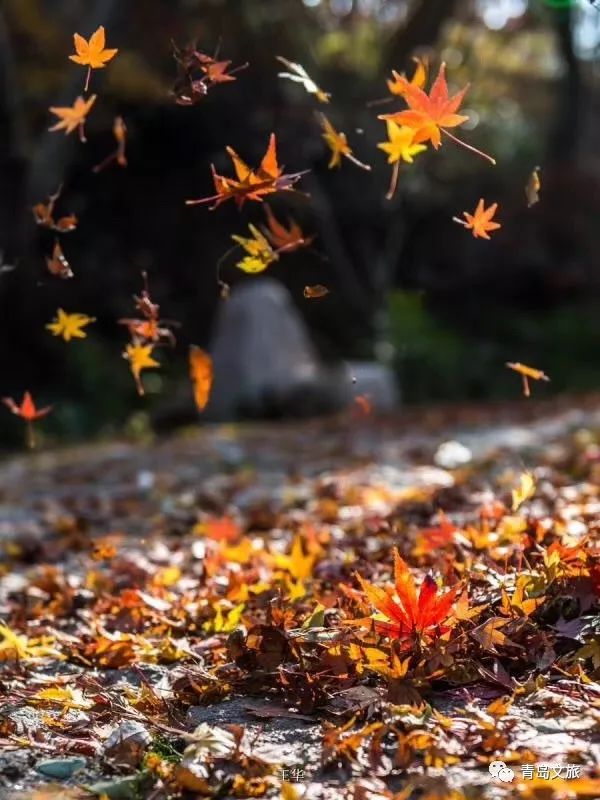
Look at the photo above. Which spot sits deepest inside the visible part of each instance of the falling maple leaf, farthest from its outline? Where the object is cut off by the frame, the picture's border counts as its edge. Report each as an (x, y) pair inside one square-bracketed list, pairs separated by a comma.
[(408, 614), (250, 184), (151, 329), (120, 133), (93, 53), (69, 326), (298, 74), (399, 147), (524, 491), (189, 87), (201, 373), (362, 406), (259, 251), (527, 374), (58, 264), (285, 239), (338, 144), (481, 221), (44, 215), (72, 117), (533, 187), (432, 114), (315, 292), (28, 412), (399, 83), (140, 357)]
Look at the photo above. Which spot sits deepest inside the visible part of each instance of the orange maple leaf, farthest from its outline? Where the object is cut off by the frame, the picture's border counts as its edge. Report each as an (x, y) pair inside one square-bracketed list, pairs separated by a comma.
[(432, 114), (338, 144), (250, 184), (28, 412), (120, 133), (201, 373), (399, 83), (480, 221), (409, 614), (92, 54), (526, 374), (285, 239), (72, 117)]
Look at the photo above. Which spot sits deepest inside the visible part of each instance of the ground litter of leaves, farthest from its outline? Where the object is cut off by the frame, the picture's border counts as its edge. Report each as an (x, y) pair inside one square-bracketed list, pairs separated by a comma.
[(347, 608)]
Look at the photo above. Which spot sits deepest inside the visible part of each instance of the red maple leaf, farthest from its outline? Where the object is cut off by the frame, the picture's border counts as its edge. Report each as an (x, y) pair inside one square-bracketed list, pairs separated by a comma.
[(409, 614), (250, 184)]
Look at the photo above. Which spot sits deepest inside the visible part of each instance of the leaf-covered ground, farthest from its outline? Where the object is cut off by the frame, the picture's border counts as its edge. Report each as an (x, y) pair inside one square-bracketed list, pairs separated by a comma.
[(186, 619)]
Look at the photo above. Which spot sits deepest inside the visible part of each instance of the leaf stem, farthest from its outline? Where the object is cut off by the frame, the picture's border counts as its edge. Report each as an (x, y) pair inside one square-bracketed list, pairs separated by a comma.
[(469, 147), (394, 181), (358, 163)]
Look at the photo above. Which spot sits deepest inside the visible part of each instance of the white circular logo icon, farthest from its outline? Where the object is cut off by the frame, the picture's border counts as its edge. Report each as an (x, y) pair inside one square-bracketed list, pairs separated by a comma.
[(499, 770)]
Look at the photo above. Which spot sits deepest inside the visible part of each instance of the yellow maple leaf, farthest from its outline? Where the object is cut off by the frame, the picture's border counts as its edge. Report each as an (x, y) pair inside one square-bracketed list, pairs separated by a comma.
[(72, 117), (298, 565), (399, 147), (18, 647), (259, 250), (338, 144), (524, 491), (69, 326), (93, 53), (65, 696), (224, 623), (140, 358)]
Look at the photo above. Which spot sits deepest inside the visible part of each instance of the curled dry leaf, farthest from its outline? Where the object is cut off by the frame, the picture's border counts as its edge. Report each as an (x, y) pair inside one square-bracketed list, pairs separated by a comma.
[(524, 491), (120, 133), (315, 292), (527, 374), (285, 239), (298, 74), (58, 264), (44, 215), (533, 187)]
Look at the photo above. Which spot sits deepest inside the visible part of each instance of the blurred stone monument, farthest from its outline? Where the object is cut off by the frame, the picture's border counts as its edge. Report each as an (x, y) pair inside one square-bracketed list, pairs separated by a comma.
[(266, 366)]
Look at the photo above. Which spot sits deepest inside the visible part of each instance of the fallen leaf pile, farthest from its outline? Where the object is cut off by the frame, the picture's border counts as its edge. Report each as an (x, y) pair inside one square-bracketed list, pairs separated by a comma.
[(169, 616)]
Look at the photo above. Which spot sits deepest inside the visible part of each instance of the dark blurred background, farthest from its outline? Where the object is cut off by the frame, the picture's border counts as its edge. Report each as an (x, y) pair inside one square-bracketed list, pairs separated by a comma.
[(408, 286)]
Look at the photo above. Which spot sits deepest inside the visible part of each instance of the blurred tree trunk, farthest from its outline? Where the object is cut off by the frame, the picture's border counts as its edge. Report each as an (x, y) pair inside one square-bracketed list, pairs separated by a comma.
[(12, 159), (565, 137), (422, 28)]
